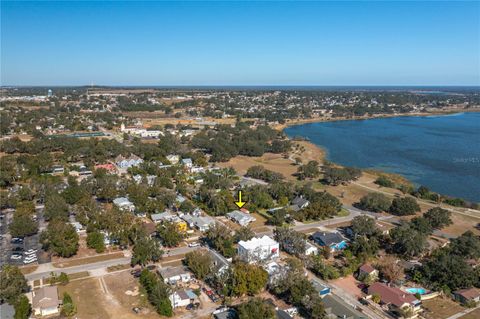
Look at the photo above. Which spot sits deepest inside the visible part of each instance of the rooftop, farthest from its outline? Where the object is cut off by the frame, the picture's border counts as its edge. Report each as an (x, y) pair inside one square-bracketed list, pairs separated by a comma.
[(328, 238), (45, 297), (391, 295), (257, 242), (168, 272)]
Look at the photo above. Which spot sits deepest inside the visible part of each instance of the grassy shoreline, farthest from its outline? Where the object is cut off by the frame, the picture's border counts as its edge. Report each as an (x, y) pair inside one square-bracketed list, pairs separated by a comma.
[(394, 176)]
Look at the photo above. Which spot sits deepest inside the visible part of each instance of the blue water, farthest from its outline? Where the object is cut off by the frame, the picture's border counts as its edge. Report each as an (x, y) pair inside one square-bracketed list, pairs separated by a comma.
[(421, 291), (440, 152)]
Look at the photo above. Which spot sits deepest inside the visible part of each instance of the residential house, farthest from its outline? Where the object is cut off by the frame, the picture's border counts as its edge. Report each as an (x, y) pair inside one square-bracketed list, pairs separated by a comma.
[(337, 308), (258, 249), (299, 203), (202, 223), (227, 313), (275, 271), (57, 169), (182, 298), (84, 171), (124, 204), (333, 240), (45, 301), (220, 263), (127, 162), (187, 162), (395, 299), (150, 179), (172, 275), (110, 168), (310, 249), (161, 217), (467, 296), (240, 217), (366, 270), (173, 159), (180, 198)]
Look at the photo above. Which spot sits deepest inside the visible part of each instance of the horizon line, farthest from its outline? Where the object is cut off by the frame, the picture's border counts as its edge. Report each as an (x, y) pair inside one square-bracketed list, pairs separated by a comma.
[(235, 85)]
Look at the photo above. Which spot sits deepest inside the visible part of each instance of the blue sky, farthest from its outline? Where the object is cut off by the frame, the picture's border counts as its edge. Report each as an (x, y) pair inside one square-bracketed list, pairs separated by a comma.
[(240, 43)]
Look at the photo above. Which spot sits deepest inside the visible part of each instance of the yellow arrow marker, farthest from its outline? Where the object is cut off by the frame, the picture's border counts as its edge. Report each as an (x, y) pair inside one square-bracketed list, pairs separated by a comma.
[(239, 203)]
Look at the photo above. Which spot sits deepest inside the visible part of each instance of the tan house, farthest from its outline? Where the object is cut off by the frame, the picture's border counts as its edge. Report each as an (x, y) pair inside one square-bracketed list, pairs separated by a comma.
[(45, 301), (366, 270)]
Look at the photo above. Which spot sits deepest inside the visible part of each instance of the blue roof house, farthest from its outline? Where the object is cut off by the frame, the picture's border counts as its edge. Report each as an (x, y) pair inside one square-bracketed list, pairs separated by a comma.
[(335, 241)]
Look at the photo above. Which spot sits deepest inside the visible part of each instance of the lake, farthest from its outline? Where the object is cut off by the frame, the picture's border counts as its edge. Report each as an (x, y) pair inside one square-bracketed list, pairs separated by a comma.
[(440, 152)]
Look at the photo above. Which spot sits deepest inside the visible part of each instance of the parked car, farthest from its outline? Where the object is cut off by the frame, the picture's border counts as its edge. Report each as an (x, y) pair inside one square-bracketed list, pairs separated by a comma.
[(31, 251), (18, 248), (363, 301), (15, 257), (151, 267), (16, 240), (194, 244), (136, 273), (193, 306)]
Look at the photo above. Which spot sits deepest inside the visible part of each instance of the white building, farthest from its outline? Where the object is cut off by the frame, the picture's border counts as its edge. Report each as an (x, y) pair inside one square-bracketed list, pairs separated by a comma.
[(310, 249), (140, 131), (258, 249), (173, 159), (127, 162), (240, 217), (172, 275), (45, 301), (202, 223), (182, 298), (124, 204)]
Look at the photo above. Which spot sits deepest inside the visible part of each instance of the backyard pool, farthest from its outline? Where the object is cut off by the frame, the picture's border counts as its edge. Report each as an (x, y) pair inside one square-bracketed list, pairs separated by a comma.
[(421, 291)]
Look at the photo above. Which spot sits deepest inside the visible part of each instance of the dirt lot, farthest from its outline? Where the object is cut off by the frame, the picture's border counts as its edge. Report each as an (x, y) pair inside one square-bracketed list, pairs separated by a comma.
[(88, 297), (110, 297), (349, 285), (472, 315), (440, 308)]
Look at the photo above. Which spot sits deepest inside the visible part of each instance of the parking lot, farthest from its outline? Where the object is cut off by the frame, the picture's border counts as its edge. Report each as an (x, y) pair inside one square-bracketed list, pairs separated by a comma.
[(10, 247)]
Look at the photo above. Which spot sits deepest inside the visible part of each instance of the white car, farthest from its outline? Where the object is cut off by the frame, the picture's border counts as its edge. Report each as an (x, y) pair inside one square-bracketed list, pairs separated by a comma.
[(16, 257), (31, 252), (195, 244)]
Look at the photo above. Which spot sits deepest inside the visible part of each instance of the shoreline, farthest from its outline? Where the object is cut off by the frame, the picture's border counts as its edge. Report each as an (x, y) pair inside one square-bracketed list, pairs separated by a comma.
[(372, 171), (290, 123)]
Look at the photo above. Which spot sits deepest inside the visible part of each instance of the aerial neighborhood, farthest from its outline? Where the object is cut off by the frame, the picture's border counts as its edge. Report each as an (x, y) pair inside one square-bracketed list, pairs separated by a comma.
[(152, 203)]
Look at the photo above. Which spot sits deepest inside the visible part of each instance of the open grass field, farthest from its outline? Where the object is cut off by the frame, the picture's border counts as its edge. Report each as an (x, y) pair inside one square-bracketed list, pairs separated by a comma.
[(277, 162), (28, 269), (88, 297), (440, 308), (109, 297)]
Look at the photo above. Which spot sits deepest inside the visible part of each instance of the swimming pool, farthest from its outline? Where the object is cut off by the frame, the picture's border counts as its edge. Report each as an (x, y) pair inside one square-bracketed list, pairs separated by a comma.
[(421, 291)]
